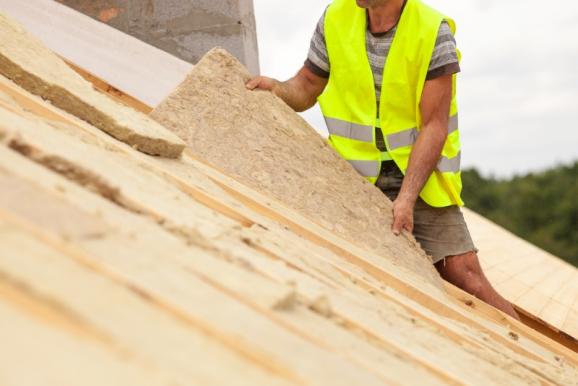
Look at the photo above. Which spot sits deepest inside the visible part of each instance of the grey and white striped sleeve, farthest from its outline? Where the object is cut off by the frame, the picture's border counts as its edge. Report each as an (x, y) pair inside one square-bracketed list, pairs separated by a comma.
[(317, 58), (444, 59)]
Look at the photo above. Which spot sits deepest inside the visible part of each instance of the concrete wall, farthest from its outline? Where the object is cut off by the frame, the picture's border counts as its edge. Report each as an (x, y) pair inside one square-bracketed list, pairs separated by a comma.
[(184, 28)]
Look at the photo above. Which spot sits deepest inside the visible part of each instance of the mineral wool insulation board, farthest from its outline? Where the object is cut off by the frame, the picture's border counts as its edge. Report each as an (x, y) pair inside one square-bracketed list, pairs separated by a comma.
[(132, 66)]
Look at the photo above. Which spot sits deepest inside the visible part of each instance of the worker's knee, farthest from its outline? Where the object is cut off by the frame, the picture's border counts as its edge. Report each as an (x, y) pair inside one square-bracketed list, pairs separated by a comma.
[(465, 272)]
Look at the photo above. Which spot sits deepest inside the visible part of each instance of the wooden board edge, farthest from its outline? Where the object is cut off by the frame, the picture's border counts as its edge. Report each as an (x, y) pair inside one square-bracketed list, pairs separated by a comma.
[(547, 329), (530, 325), (110, 90)]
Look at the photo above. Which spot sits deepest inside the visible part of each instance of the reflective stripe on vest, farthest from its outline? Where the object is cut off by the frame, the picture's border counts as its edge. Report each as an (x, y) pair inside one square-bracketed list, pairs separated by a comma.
[(409, 136), (395, 141), (450, 165), (349, 130), (366, 168)]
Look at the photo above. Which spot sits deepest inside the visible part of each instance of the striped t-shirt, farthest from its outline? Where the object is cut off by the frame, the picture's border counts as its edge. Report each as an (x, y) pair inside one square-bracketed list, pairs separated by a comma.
[(444, 59)]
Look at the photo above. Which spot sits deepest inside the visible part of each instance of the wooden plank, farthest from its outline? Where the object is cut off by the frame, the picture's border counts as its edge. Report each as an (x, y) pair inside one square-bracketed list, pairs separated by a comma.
[(140, 70), (26, 61)]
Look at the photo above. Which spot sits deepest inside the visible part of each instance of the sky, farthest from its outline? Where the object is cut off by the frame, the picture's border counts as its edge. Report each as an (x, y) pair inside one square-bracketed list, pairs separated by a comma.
[(518, 89)]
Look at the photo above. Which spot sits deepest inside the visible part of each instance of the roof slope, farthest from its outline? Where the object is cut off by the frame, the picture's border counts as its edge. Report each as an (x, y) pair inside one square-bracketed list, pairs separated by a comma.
[(144, 270), (535, 280)]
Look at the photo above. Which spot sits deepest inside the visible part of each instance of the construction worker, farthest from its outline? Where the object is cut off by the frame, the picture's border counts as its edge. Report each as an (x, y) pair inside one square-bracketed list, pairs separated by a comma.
[(384, 74)]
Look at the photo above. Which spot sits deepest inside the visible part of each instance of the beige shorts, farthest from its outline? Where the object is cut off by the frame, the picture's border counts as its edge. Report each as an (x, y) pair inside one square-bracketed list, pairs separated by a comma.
[(441, 232)]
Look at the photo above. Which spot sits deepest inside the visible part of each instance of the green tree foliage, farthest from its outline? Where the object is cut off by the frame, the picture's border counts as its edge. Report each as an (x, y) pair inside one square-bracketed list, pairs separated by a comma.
[(541, 208)]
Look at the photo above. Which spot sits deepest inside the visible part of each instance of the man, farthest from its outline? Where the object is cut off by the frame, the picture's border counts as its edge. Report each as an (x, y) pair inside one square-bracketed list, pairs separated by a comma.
[(384, 74)]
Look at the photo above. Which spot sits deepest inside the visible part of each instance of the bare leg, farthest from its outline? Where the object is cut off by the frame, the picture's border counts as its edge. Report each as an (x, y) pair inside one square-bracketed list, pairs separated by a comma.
[(465, 272)]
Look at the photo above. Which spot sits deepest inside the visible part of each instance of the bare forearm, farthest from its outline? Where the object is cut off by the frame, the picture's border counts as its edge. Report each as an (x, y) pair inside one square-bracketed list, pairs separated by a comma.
[(426, 152), (423, 160), (299, 92), (294, 92)]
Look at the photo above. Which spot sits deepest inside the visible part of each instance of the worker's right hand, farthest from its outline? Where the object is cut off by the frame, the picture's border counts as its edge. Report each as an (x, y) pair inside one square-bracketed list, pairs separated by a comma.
[(402, 216), (262, 83)]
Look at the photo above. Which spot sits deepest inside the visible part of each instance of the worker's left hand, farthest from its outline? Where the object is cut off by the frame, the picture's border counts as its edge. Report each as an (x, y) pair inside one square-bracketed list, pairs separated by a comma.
[(402, 216)]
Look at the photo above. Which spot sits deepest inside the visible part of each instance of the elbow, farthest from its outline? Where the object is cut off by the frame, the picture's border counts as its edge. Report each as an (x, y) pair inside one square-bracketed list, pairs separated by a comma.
[(300, 109), (441, 140), (440, 132), (437, 133), (305, 105)]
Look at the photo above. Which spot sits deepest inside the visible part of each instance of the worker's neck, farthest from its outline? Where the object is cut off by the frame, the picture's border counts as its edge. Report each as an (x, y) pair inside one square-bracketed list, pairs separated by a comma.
[(384, 17)]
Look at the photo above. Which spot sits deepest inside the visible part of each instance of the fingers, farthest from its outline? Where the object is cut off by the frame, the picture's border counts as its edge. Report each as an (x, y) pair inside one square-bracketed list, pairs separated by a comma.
[(401, 223), (402, 220), (397, 226), (260, 82), (253, 83), (409, 226)]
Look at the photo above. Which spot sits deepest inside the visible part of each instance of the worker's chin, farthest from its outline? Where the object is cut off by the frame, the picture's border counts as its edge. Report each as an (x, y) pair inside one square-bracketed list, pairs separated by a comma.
[(363, 3)]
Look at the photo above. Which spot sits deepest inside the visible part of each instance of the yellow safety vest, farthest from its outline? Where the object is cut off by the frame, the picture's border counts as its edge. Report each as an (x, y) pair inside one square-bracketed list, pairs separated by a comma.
[(349, 100)]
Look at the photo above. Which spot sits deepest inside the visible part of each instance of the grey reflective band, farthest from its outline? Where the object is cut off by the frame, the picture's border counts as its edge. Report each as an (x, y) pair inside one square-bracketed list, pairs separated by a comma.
[(409, 136), (366, 168), (402, 139), (453, 124), (450, 165), (349, 130)]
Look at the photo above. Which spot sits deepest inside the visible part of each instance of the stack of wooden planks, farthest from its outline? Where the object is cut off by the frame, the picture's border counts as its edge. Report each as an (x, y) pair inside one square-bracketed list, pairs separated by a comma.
[(123, 268)]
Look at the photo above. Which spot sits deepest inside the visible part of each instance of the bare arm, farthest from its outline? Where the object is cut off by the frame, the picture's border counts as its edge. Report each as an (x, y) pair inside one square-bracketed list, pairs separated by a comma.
[(435, 108), (299, 92)]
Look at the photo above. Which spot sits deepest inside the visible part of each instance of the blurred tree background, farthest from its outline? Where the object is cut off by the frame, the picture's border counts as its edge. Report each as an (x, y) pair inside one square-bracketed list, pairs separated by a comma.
[(539, 207)]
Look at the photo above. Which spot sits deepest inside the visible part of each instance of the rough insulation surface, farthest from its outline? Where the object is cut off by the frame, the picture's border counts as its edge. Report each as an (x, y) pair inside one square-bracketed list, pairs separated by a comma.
[(34, 67), (256, 138)]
